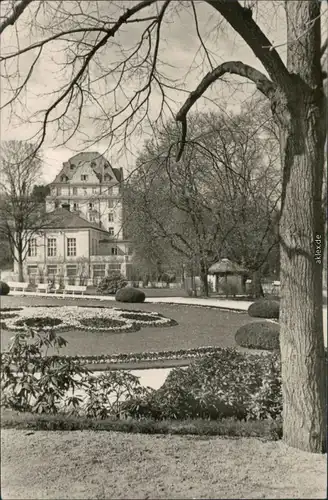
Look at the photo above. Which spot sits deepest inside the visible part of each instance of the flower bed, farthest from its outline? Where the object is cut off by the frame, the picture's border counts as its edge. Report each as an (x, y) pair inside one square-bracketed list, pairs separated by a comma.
[(135, 357), (80, 318)]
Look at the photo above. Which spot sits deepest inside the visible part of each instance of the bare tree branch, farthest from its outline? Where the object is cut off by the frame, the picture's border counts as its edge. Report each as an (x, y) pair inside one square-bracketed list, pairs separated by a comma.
[(232, 67), (241, 20), (18, 10)]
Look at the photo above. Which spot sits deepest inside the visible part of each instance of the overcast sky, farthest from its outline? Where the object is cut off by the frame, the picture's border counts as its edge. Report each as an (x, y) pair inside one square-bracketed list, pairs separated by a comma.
[(179, 49)]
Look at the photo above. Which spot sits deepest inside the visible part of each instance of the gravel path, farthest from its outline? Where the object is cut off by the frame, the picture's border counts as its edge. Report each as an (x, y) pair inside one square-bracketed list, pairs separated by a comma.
[(109, 465)]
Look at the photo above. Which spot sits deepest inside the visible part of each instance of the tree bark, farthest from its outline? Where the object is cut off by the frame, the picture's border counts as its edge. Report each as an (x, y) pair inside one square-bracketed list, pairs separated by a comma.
[(203, 276), (20, 270), (257, 290), (302, 125)]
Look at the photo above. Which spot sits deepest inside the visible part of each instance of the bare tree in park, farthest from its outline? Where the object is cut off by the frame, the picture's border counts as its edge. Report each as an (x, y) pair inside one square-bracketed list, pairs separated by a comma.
[(112, 80), (21, 213), (219, 200)]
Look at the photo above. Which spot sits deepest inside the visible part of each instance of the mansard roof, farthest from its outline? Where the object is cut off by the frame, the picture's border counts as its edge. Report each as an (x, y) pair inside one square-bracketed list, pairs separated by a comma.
[(97, 162)]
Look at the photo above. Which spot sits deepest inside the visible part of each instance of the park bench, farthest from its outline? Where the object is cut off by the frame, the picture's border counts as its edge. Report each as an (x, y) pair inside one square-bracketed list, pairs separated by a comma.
[(75, 289), (18, 285), (43, 287)]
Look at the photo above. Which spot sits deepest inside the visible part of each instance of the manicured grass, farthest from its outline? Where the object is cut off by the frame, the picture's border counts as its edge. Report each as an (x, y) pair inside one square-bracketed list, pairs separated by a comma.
[(196, 327), (102, 465)]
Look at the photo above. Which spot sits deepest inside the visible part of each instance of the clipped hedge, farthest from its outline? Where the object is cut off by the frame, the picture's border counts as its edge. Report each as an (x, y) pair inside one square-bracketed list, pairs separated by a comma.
[(130, 294), (264, 308), (4, 288), (260, 335)]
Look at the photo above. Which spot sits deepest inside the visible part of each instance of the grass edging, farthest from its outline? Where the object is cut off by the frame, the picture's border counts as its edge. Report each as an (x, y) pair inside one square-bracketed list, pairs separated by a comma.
[(270, 430)]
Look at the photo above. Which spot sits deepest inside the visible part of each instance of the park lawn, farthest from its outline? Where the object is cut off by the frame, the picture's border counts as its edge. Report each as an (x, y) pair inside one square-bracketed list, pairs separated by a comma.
[(104, 465), (197, 327)]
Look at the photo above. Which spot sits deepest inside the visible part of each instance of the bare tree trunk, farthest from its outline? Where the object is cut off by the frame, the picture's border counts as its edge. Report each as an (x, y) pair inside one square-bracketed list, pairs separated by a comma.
[(257, 290), (20, 269), (204, 278), (302, 123)]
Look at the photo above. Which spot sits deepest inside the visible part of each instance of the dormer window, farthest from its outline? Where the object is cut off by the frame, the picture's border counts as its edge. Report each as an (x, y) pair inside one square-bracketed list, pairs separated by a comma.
[(106, 165), (72, 166), (107, 178), (93, 164), (64, 178), (84, 177)]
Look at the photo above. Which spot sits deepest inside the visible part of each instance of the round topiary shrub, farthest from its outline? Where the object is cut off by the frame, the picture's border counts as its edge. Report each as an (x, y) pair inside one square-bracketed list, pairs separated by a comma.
[(130, 294), (264, 308), (261, 335), (4, 288)]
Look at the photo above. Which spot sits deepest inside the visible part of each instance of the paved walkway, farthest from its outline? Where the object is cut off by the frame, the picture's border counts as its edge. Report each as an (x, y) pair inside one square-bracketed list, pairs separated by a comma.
[(240, 305)]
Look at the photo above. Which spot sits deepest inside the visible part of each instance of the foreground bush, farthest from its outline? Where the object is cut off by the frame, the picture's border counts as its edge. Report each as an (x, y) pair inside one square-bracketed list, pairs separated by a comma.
[(264, 308), (111, 283), (4, 288), (130, 294), (225, 384), (261, 335), (31, 381)]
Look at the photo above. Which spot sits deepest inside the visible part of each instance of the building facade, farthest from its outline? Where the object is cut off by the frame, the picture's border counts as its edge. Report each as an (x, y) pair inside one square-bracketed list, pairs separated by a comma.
[(88, 186), (83, 239)]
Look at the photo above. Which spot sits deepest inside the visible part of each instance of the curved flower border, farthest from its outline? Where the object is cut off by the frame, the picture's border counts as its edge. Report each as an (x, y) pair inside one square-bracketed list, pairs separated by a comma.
[(71, 317)]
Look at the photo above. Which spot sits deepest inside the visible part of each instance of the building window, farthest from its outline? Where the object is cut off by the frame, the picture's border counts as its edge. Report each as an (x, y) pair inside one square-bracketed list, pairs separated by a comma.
[(84, 177), (58, 191), (64, 178), (75, 191), (92, 217), (53, 191), (110, 203), (114, 267), (51, 270), (71, 247), (32, 248), (107, 178), (110, 217), (111, 231), (94, 190), (71, 272), (99, 271), (91, 206), (72, 166), (32, 273), (114, 250), (110, 191), (76, 207), (52, 247)]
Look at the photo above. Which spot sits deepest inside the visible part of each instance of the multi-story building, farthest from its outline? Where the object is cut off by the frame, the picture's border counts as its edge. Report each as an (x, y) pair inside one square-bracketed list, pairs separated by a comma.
[(74, 251), (83, 238), (88, 186)]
